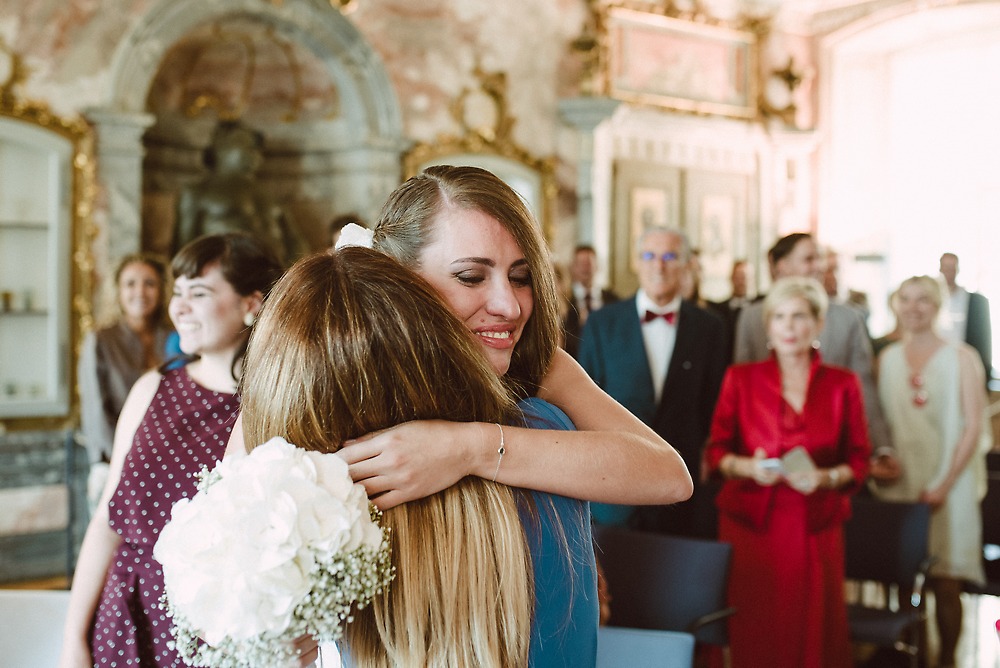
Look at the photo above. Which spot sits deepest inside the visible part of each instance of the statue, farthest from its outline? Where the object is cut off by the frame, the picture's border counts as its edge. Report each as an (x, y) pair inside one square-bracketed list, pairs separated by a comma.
[(229, 198)]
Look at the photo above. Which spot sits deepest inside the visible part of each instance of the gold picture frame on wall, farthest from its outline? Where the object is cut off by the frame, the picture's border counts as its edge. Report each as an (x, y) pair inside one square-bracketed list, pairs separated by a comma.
[(58, 215), (680, 65), (646, 195)]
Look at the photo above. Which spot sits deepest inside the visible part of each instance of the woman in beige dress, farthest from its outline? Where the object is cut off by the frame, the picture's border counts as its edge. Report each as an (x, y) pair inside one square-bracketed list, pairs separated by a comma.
[(932, 394)]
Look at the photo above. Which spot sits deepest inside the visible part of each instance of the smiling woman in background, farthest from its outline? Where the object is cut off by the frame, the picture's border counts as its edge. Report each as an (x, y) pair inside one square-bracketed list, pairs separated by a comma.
[(113, 358), (172, 423), (932, 395)]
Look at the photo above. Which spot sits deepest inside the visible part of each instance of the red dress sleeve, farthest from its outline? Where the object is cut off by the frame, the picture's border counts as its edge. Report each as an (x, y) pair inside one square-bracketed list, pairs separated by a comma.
[(723, 435)]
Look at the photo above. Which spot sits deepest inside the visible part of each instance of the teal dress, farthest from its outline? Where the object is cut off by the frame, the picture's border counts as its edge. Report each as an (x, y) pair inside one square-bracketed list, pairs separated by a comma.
[(564, 630)]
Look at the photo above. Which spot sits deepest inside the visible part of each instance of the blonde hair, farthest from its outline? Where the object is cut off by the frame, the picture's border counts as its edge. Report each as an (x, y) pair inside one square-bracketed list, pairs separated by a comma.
[(797, 287), (406, 224), (931, 286), (352, 342)]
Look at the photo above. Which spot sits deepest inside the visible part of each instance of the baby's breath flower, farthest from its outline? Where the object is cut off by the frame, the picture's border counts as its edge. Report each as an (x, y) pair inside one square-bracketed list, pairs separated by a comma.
[(274, 545)]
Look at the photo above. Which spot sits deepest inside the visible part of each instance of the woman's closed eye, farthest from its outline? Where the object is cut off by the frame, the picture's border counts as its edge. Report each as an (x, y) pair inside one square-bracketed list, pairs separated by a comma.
[(469, 277), (520, 277)]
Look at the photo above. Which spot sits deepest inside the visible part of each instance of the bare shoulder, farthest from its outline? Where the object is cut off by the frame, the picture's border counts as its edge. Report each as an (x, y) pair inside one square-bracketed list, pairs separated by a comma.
[(562, 370), (970, 362), (141, 394)]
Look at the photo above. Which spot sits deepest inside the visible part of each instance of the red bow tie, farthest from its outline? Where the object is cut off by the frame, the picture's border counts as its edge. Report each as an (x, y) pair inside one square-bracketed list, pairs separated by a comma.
[(670, 316)]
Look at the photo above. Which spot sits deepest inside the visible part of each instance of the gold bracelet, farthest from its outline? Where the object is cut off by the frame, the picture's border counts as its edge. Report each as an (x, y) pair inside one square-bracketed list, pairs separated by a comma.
[(500, 452)]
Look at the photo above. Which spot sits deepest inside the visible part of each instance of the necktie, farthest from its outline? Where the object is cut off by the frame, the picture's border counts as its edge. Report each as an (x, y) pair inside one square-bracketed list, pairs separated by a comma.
[(670, 317)]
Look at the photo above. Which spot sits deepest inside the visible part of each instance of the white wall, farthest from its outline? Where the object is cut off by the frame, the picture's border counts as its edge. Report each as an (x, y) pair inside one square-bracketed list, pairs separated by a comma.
[(912, 150)]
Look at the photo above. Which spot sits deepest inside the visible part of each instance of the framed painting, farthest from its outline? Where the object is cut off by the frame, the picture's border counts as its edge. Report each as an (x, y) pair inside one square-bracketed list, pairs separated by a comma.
[(718, 223), (645, 195), (680, 65)]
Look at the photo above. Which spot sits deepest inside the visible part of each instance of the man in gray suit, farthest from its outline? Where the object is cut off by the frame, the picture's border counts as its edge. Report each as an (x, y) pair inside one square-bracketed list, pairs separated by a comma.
[(844, 341)]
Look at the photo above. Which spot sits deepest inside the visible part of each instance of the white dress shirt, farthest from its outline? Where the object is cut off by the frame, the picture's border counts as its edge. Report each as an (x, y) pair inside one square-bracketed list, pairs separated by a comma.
[(951, 322), (659, 337), (580, 299)]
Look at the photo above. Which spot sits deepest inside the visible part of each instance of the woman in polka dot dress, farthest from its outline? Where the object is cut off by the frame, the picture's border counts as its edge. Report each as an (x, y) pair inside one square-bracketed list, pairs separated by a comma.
[(172, 424)]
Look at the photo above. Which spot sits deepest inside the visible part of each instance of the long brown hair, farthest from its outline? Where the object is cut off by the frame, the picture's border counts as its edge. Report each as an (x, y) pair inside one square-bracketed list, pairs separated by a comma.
[(352, 342), (406, 224)]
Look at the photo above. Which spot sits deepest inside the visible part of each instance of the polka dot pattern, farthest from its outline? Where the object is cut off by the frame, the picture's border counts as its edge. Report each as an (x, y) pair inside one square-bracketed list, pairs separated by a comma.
[(185, 427)]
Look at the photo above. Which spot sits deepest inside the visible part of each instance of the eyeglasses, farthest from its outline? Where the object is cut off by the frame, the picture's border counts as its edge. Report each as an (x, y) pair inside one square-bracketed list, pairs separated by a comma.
[(649, 256), (919, 393)]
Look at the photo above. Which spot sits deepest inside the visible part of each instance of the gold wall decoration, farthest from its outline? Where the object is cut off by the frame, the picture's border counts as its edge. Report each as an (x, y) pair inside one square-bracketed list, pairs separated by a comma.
[(683, 63), (486, 130), (83, 192)]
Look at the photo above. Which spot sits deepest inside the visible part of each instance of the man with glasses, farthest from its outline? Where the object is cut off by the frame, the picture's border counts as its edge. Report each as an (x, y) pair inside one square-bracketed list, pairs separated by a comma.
[(663, 359)]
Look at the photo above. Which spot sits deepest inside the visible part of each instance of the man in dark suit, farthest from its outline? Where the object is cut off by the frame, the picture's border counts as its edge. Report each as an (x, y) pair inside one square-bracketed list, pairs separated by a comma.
[(584, 296), (968, 314), (729, 309), (662, 358)]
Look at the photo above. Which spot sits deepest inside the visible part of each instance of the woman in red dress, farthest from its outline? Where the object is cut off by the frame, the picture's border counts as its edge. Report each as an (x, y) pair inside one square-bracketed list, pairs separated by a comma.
[(785, 519)]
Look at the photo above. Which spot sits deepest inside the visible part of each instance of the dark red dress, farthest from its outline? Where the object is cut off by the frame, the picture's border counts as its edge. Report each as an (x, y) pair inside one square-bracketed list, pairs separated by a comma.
[(186, 426), (787, 577)]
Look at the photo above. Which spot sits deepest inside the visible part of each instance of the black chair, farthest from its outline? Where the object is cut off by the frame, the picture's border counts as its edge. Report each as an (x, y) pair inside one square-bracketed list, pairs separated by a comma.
[(643, 648), (666, 582), (990, 509), (886, 542)]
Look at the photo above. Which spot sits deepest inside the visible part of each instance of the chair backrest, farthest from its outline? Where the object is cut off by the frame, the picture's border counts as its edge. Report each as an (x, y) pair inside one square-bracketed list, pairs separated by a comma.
[(885, 541), (643, 648), (664, 582), (31, 626)]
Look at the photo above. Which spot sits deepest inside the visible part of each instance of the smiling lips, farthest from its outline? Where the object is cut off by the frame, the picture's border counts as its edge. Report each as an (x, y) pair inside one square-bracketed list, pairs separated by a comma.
[(496, 338)]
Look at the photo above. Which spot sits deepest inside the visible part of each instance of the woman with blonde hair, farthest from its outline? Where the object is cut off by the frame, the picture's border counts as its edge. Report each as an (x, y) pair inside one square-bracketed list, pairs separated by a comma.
[(342, 348), (790, 442), (932, 394), (475, 241)]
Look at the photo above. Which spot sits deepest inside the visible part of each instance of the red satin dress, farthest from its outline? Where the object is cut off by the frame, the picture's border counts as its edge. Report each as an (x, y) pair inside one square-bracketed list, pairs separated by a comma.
[(787, 576)]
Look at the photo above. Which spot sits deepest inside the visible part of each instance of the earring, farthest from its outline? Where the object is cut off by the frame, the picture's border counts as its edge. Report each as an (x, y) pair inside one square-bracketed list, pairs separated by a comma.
[(249, 319), (815, 344), (770, 346)]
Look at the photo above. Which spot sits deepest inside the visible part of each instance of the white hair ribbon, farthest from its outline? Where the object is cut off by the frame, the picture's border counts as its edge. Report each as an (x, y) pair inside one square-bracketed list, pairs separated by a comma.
[(355, 235)]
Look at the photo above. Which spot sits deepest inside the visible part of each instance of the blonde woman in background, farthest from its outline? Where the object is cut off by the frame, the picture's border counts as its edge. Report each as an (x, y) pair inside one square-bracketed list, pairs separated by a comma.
[(932, 394)]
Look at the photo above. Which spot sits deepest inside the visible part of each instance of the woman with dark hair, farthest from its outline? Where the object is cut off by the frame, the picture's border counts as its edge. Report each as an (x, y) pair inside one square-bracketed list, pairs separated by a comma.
[(172, 423), (342, 349)]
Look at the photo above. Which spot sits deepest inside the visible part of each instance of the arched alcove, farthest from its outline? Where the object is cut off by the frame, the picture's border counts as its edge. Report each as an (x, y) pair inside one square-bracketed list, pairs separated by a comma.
[(350, 162)]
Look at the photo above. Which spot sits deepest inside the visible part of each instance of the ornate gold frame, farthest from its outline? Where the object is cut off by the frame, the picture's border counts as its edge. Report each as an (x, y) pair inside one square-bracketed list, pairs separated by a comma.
[(725, 82), (492, 139), (83, 231)]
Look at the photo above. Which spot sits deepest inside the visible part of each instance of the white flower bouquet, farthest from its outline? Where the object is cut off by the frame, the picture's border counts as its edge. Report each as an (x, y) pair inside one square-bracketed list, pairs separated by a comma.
[(274, 545)]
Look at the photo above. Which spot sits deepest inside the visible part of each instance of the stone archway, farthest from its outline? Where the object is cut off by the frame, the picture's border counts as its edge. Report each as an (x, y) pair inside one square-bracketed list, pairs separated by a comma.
[(364, 162)]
